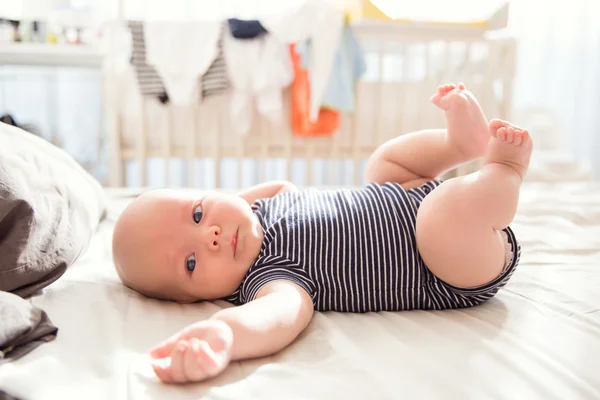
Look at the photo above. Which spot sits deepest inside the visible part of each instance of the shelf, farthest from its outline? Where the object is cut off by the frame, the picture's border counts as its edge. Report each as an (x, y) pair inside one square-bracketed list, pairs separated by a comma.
[(40, 54)]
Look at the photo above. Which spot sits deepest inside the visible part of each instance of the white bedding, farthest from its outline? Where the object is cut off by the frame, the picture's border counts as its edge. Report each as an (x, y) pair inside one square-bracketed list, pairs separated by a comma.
[(538, 338)]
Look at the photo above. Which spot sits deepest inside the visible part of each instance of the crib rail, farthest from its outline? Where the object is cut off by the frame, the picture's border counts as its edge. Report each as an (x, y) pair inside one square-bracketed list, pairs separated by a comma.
[(404, 67)]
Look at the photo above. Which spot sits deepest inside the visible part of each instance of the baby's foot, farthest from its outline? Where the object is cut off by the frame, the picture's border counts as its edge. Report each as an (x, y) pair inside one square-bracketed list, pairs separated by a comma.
[(509, 145), (466, 125)]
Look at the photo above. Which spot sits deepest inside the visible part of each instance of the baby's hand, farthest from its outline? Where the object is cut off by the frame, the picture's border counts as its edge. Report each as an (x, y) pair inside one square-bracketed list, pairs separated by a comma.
[(199, 351)]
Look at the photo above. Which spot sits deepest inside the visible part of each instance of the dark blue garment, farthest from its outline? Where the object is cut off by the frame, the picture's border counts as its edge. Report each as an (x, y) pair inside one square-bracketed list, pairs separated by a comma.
[(355, 250), (241, 29)]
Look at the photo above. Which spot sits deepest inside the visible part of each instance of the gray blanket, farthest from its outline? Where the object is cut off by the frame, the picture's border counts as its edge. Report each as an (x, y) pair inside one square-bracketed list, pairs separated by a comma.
[(24, 327), (49, 209)]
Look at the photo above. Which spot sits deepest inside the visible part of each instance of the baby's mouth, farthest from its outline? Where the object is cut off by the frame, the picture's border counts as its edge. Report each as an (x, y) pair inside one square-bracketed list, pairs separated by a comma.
[(234, 241)]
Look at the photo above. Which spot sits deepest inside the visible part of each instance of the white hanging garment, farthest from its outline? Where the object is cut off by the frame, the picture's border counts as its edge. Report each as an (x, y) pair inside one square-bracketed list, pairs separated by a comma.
[(322, 23), (259, 69), (181, 52), (274, 74)]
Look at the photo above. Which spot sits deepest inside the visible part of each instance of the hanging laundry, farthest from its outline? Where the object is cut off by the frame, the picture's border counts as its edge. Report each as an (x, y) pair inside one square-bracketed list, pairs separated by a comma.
[(241, 29), (321, 21), (348, 66), (215, 80), (148, 80), (259, 69), (181, 52), (328, 121)]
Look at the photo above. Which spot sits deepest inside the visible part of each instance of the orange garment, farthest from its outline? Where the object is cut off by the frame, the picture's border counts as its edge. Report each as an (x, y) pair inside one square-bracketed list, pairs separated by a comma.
[(327, 122)]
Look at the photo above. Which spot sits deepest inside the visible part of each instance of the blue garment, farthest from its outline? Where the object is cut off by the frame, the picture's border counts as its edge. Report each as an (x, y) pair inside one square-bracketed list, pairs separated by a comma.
[(241, 29), (348, 66), (355, 251)]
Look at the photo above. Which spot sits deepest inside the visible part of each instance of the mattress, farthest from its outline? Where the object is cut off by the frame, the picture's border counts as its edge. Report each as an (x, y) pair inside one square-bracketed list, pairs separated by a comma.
[(538, 338)]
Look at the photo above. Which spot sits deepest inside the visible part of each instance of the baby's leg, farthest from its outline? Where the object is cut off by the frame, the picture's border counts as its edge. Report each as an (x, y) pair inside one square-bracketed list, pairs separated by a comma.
[(424, 155), (458, 223)]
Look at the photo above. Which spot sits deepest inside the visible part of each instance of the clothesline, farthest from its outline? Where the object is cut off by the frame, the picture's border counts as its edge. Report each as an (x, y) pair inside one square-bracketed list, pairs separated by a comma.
[(251, 60)]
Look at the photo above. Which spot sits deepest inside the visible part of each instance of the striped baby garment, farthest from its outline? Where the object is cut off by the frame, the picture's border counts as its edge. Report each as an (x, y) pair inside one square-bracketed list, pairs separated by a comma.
[(215, 80), (148, 79), (355, 251)]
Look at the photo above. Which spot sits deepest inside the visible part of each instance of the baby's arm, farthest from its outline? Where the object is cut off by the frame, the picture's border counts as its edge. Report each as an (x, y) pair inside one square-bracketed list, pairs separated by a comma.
[(265, 190), (262, 327), (266, 325)]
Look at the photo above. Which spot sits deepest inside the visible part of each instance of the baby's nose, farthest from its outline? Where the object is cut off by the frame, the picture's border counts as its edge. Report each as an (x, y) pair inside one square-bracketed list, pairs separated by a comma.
[(213, 237)]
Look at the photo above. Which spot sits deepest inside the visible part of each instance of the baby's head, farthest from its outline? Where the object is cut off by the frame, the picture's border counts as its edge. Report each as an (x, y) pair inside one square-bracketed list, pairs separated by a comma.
[(186, 245)]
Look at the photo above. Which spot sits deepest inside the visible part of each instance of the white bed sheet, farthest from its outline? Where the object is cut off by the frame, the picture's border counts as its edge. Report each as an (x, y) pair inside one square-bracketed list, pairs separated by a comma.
[(538, 338)]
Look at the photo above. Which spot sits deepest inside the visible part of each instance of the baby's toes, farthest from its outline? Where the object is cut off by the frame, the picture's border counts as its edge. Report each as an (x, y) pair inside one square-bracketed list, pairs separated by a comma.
[(518, 137), (443, 89), (501, 133), (510, 134), (496, 124), (449, 86), (435, 99)]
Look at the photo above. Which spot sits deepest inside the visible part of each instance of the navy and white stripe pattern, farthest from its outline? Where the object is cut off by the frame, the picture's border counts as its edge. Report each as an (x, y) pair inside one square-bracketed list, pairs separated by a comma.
[(355, 251), (216, 80), (148, 79)]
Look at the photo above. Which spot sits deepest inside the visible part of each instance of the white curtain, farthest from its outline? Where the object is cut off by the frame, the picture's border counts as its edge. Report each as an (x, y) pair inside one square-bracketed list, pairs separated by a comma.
[(558, 74)]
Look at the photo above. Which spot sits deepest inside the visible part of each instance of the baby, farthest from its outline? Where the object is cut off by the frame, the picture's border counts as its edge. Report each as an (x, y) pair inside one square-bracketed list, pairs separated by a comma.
[(405, 241)]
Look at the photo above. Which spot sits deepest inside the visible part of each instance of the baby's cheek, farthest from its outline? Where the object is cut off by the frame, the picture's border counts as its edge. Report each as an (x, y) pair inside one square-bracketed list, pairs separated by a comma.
[(220, 281)]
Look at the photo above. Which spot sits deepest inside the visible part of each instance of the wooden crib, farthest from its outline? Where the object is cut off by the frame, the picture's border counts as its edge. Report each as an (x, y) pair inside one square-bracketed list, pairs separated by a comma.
[(405, 63)]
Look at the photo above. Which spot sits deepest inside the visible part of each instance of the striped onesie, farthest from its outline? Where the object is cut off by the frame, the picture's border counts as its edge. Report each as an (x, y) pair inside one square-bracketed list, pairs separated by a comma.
[(355, 251)]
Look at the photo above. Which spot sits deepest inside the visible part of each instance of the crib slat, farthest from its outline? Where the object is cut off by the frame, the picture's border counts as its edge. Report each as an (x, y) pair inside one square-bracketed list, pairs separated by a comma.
[(288, 161), (377, 115), (113, 131), (467, 61), (446, 61), (464, 74), (408, 123), (116, 166), (218, 153), (166, 143), (334, 159), (400, 122), (333, 162), (507, 47), (141, 142), (288, 145), (191, 142), (423, 89), (240, 168), (354, 136), (310, 157)]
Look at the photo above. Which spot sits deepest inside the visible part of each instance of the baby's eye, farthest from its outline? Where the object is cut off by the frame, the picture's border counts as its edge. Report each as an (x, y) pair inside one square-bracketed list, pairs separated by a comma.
[(190, 263), (197, 214)]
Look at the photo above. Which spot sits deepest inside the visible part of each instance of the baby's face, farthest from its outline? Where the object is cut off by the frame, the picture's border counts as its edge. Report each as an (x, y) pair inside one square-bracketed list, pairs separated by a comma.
[(186, 245)]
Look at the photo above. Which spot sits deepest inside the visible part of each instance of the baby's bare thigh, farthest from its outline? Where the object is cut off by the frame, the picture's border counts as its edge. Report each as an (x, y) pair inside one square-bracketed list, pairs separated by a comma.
[(455, 240)]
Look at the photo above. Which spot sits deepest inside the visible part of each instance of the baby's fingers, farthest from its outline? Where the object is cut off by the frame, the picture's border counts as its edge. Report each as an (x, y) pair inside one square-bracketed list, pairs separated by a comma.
[(165, 348), (200, 361), (173, 372)]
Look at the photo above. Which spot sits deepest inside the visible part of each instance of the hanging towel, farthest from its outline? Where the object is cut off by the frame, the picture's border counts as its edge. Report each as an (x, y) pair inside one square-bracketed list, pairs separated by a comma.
[(148, 80), (349, 65), (259, 69), (328, 121), (181, 52), (215, 80), (242, 29), (322, 22)]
